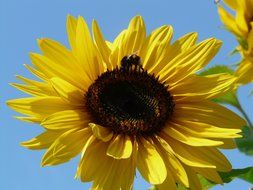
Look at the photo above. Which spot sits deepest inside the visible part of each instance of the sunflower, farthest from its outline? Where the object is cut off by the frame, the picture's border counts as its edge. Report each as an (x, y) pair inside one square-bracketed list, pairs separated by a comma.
[(241, 23), (132, 104), (241, 26)]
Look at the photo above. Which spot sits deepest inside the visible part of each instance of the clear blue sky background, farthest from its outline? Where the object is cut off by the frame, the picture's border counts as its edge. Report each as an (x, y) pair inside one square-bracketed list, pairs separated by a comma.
[(22, 22)]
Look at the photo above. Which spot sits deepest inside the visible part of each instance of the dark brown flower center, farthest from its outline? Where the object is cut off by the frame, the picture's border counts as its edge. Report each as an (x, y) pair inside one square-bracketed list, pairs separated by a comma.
[(128, 100)]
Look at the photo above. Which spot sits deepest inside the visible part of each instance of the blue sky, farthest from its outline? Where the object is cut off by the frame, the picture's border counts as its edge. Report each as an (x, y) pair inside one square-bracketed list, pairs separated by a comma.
[(22, 22)]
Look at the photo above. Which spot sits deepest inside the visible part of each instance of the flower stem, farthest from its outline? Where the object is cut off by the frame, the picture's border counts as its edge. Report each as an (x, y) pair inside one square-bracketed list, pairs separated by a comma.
[(239, 107)]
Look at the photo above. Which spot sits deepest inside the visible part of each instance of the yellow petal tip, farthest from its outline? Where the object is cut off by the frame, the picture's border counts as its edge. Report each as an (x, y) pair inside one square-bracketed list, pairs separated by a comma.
[(40, 41), (100, 132)]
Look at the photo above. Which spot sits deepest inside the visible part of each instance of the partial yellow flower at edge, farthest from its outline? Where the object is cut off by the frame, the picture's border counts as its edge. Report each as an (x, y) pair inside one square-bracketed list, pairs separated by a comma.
[(241, 25), (240, 22), (132, 104)]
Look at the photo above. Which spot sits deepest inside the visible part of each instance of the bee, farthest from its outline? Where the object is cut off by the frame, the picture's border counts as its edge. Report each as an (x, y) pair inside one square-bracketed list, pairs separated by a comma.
[(129, 61)]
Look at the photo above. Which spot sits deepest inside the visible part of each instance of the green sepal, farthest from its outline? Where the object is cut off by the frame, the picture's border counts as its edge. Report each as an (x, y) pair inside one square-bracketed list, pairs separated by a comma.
[(245, 144)]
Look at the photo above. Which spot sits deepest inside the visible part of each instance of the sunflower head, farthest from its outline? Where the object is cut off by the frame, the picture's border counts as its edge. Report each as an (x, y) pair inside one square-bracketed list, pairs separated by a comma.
[(129, 100), (132, 104)]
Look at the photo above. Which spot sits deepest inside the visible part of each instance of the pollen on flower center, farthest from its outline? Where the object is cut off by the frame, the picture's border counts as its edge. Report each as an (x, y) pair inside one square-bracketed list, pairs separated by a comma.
[(129, 100)]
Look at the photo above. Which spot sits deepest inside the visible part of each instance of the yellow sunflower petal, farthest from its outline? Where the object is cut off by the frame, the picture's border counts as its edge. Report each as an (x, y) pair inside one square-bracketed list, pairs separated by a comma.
[(209, 113), (241, 18), (160, 35), (193, 178), (172, 163), (244, 72), (228, 144), (32, 90), (229, 21), (39, 107), (56, 52), (156, 44), (67, 146), (150, 164), (67, 119), (129, 41), (71, 30), (120, 147), (179, 46), (197, 88), (114, 57), (137, 33), (205, 130), (184, 43), (187, 138), (188, 156), (190, 61), (36, 72), (52, 69), (68, 92), (101, 44), (208, 156), (210, 174), (116, 43), (150, 56), (101, 132), (86, 51), (42, 141), (168, 183), (214, 156), (119, 171), (59, 54), (40, 86), (28, 119), (105, 169), (88, 169), (34, 87), (232, 4)]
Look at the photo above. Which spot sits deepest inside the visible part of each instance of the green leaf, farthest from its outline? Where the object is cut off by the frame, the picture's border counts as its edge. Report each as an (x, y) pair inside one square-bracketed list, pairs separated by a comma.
[(243, 43), (245, 174), (245, 144), (181, 187), (216, 70), (229, 98), (206, 184)]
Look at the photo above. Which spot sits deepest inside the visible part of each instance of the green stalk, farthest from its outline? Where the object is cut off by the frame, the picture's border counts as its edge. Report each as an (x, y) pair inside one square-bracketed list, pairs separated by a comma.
[(239, 107)]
